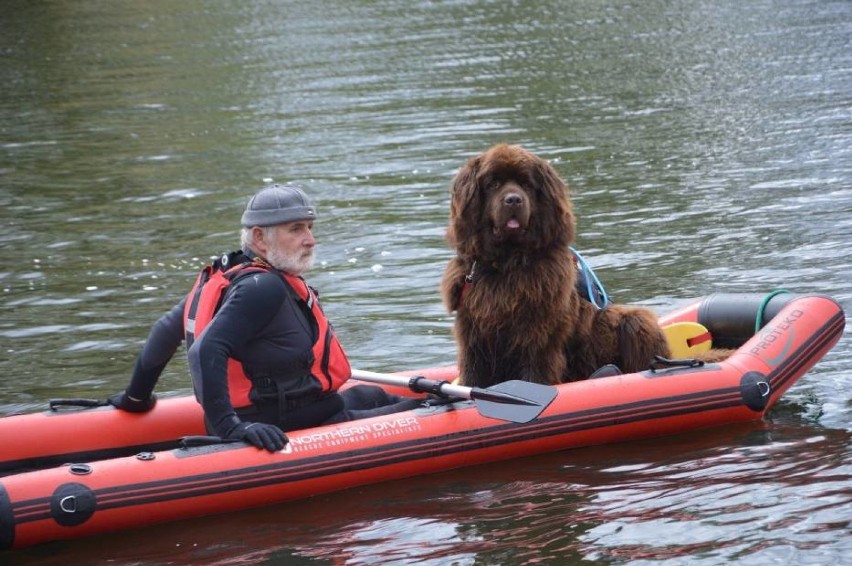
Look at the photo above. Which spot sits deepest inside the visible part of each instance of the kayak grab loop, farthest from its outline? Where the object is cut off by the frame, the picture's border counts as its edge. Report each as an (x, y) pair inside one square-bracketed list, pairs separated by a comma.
[(195, 440), (661, 363), (68, 504), (56, 404), (72, 504), (755, 390)]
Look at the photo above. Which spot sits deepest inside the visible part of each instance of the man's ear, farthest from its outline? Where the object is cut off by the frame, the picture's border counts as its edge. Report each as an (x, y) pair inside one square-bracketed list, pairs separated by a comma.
[(258, 242)]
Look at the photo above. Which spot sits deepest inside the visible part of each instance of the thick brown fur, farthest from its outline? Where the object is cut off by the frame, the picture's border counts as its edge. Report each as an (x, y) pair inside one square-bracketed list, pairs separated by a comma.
[(520, 316)]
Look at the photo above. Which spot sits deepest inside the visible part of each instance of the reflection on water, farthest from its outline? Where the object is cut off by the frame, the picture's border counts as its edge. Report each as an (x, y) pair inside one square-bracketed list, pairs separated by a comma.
[(707, 147), (731, 504)]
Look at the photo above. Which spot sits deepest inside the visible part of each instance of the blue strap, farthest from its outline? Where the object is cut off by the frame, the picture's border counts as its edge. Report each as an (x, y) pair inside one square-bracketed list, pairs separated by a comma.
[(592, 282)]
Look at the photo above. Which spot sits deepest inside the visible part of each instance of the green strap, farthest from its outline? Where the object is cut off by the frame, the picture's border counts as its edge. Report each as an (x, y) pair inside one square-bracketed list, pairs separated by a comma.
[(762, 307)]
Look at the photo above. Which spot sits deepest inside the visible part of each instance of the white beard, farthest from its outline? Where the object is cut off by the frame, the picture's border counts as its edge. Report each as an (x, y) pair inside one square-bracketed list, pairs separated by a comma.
[(294, 264)]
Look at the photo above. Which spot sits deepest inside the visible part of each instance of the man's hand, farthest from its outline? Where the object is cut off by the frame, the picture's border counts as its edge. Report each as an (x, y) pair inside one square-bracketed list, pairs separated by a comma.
[(261, 435)]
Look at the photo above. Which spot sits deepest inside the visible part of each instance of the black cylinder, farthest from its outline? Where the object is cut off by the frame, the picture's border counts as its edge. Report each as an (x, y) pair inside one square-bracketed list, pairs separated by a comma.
[(731, 317)]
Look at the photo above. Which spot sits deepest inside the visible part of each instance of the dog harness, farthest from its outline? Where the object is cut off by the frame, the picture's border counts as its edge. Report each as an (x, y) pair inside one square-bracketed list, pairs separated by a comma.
[(588, 284)]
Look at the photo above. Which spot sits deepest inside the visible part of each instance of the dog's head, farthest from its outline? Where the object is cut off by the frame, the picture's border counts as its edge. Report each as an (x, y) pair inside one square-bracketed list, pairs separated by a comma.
[(506, 201)]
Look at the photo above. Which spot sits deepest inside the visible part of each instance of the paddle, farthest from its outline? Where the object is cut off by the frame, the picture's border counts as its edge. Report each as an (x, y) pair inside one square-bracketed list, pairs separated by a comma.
[(516, 401)]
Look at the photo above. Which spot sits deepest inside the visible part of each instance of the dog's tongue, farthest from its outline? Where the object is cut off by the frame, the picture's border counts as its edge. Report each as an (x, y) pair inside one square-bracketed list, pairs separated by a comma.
[(513, 224)]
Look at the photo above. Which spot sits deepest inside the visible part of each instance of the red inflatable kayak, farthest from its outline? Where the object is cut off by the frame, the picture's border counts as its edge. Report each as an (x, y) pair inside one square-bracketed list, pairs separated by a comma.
[(793, 333)]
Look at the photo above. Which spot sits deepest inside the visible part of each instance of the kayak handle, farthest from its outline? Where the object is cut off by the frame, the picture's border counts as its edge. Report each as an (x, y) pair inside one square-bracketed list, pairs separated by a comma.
[(661, 363), (55, 404), (204, 440)]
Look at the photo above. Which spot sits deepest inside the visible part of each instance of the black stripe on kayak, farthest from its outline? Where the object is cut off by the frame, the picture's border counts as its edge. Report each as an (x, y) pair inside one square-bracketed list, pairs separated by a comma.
[(793, 364), (356, 460)]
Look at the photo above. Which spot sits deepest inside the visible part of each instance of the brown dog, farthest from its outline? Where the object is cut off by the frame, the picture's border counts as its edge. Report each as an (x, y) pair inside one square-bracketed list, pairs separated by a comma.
[(513, 279)]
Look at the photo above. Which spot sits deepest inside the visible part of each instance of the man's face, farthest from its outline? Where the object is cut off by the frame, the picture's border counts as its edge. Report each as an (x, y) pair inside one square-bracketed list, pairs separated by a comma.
[(290, 246)]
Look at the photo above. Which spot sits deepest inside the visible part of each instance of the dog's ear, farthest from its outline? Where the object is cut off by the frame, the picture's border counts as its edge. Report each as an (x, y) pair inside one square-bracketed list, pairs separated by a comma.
[(558, 226), (462, 194)]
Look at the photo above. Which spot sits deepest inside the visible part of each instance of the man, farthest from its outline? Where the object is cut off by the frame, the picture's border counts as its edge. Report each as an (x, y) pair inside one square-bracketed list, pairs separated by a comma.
[(267, 360)]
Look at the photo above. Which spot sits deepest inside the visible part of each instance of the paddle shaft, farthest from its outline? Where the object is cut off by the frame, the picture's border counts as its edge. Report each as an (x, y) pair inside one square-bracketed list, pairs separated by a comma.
[(443, 388)]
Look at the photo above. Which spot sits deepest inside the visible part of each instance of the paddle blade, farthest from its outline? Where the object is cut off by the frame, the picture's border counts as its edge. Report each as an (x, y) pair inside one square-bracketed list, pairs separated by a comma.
[(686, 339), (536, 398)]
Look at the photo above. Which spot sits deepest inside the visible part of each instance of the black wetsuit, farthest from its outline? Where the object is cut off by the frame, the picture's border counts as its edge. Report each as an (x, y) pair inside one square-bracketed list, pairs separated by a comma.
[(261, 324)]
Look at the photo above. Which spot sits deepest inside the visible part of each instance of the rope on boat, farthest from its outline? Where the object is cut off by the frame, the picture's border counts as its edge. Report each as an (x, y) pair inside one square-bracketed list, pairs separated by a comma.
[(762, 308)]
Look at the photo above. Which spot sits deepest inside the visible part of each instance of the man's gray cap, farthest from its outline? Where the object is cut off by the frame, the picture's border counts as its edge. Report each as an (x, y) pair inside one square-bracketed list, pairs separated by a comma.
[(277, 204)]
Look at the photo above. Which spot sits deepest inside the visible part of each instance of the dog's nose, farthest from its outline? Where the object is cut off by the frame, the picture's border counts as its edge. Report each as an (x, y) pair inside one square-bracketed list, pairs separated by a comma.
[(513, 199)]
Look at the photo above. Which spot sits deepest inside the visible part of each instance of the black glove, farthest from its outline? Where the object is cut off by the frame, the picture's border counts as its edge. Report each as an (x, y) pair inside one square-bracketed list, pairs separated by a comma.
[(124, 402), (261, 435)]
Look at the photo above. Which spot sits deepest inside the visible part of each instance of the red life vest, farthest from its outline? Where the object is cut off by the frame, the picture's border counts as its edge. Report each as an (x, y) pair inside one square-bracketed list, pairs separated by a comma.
[(330, 365)]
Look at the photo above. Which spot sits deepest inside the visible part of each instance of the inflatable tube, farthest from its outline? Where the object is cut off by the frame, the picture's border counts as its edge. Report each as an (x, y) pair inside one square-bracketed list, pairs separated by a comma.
[(73, 430), (154, 487), (53, 437)]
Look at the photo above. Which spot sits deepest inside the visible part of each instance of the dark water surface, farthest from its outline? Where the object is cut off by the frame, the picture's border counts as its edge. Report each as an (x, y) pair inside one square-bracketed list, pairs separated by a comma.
[(709, 148)]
